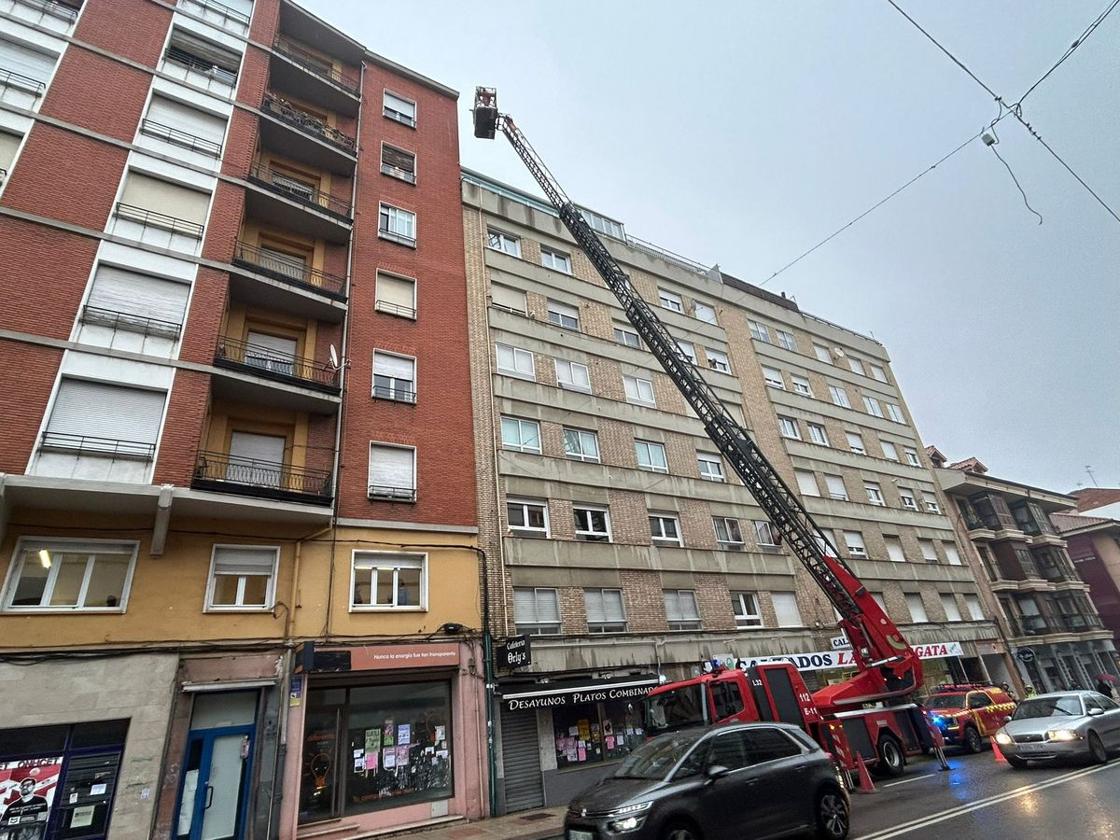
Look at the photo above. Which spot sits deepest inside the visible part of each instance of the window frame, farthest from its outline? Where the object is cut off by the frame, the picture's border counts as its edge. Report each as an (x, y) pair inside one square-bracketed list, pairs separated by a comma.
[(895, 413), (764, 525), (589, 534), (394, 607), (688, 350), (711, 458), (626, 331), (396, 172), (531, 376), (571, 366), (873, 406), (716, 358), (503, 237), (526, 503), (697, 305), (855, 548), (786, 339), (556, 255), (651, 443), (390, 308), (662, 540), (739, 601), (818, 434), (801, 385), (907, 596), (637, 380), (844, 497), (695, 623), (415, 469), (270, 590), (403, 118), (839, 396), (561, 315), (728, 544), (537, 625), (602, 627), (759, 331), (394, 391), (881, 376), (915, 460), (822, 353), (772, 381), (789, 428), (873, 487), (905, 493), (883, 445), (856, 366), (796, 606), (386, 209), (665, 298), (597, 459), (520, 447), (16, 566)]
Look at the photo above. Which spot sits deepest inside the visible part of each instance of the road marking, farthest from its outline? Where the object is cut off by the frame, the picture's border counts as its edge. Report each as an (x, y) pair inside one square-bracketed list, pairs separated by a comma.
[(908, 781), (1015, 793)]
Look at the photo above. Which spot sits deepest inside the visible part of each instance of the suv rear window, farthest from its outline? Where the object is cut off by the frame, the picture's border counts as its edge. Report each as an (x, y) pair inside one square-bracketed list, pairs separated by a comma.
[(768, 745)]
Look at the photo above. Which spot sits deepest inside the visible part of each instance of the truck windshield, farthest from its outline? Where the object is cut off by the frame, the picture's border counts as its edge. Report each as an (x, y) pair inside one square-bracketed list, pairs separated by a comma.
[(675, 709)]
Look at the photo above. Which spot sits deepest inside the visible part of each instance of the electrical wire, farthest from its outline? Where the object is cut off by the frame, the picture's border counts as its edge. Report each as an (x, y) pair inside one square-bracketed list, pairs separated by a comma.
[(1071, 49), (1016, 180)]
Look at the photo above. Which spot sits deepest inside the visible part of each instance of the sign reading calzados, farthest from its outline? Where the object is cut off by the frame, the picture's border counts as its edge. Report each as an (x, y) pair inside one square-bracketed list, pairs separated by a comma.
[(825, 659)]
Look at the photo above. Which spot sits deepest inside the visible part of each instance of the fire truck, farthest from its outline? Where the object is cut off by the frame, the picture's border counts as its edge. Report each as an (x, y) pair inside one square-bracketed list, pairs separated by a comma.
[(865, 715)]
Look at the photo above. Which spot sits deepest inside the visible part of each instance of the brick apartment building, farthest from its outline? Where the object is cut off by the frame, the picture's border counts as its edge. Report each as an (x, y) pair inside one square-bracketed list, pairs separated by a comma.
[(616, 536), (1093, 538), (240, 583)]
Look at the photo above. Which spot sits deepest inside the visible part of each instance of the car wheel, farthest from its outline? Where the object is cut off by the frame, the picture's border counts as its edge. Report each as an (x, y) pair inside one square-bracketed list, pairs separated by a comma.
[(1016, 763), (973, 743), (680, 831), (892, 761), (1097, 752), (833, 819)]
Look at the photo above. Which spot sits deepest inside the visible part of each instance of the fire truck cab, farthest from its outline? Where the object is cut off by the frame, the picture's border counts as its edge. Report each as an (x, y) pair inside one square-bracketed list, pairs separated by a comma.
[(968, 714)]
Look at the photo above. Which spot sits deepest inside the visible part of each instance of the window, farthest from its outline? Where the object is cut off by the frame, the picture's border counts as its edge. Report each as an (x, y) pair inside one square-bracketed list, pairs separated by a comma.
[(855, 442), (894, 549), (930, 501), (906, 497), (387, 581), (665, 529), (786, 340), (503, 242), (603, 225), (396, 295), (625, 335), (181, 125), (515, 361), (397, 225), (711, 466), (563, 315), (203, 57), (638, 390), (573, 376), (912, 458), (680, 609), (929, 553), (604, 610), (880, 600), (952, 556), (398, 108), (705, 313), (764, 532), (788, 428), (31, 64), (856, 365), (527, 518), (581, 445), (873, 407), (759, 331), (836, 488), (785, 606), (521, 435), (728, 533), (817, 434), (556, 260), (394, 377), (593, 524), (822, 353), (745, 607), (127, 301), (890, 452), (916, 607), (397, 163), (854, 541), (878, 373), (839, 396), (949, 604), (670, 301), (773, 378), (511, 300), (895, 413), (9, 145), (536, 611), (97, 420), (392, 473), (688, 350), (154, 203), (800, 385), (651, 456), (717, 360), (874, 493), (807, 483), (70, 576), (972, 604)]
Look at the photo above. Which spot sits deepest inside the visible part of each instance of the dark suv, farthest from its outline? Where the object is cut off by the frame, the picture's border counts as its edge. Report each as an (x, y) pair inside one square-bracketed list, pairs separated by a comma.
[(755, 780)]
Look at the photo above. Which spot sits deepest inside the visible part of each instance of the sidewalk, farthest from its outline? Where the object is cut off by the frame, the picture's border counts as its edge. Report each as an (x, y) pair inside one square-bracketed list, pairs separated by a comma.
[(541, 824)]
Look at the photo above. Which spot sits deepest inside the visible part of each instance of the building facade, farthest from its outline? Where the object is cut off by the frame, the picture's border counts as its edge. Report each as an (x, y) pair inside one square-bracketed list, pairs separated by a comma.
[(1094, 548), (619, 541), (1050, 623), (238, 532)]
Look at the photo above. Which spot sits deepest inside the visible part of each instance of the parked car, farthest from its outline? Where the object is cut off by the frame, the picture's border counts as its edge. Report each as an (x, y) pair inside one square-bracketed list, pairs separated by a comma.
[(968, 714), (1063, 725), (756, 780)]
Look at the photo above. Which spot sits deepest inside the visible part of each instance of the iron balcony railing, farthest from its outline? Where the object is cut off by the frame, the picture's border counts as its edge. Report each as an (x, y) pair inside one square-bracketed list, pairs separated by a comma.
[(55, 9), (314, 64), (282, 184), (97, 446), (193, 62), (387, 492), (394, 309), (263, 262), (235, 474), (1076, 621), (288, 113), (150, 218), (130, 323), (396, 393), (180, 138), (220, 9), (267, 362), (10, 78)]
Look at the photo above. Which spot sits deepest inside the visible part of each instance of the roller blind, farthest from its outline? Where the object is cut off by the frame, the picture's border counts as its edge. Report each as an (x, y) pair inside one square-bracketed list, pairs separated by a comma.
[(391, 466), (188, 119), (387, 561), (9, 143), (205, 50), (285, 348), (26, 61), (257, 447), (243, 560), (162, 197), (397, 367), (785, 607), (130, 293), (603, 606), (396, 290), (539, 606), (115, 412), (401, 106), (509, 298)]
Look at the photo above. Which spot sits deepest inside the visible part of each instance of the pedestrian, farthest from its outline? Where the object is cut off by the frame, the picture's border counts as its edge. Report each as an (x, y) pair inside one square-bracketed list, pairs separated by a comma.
[(1007, 690), (1104, 688)]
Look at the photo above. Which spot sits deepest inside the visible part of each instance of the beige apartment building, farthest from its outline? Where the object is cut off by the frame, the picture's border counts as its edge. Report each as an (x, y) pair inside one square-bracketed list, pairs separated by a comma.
[(618, 539)]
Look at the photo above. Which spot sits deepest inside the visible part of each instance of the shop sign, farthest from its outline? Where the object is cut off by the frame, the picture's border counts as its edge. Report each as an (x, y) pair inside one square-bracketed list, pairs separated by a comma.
[(825, 659), (840, 641), (295, 693), (384, 657), (1025, 655), (515, 652), (551, 696)]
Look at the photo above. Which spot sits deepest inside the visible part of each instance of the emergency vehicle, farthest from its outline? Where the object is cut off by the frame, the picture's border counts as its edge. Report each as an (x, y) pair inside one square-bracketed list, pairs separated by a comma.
[(968, 714)]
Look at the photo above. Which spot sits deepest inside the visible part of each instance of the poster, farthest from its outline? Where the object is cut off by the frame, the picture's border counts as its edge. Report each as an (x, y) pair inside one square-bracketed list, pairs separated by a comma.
[(389, 760), (81, 817), (404, 733), (388, 731), (441, 731), (371, 761), (27, 790), (402, 756), (610, 742), (585, 730), (373, 740)]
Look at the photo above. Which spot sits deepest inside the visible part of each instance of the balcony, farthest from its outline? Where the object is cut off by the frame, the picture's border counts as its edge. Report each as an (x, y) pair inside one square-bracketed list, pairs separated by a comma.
[(278, 182), (74, 456), (219, 14), (124, 322), (42, 10), (286, 202), (20, 90), (269, 364), (312, 77), (196, 70), (264, 262), (223, 473), (181, 138), (157, 229), (310, 134), (1078, 623)]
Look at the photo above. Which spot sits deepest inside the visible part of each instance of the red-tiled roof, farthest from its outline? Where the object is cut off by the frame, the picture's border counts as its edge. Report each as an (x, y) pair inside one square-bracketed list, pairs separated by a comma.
[(1066, 522), (1090, 498)]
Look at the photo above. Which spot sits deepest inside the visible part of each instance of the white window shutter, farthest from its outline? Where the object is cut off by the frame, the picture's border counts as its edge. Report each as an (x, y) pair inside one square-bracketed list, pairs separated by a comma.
[(252, 447), (166, 198), (185, 118), (397, 367), (244, 560), (396, 290), (392, 467), (129, 293), (114, 412), (26, 61)]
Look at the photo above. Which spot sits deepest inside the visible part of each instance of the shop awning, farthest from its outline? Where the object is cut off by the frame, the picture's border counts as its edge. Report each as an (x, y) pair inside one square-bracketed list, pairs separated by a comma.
[(555, 693)]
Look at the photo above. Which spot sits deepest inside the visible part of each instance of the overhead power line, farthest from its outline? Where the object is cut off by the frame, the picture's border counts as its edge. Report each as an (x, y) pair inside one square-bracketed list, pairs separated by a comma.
[(1072, 48)]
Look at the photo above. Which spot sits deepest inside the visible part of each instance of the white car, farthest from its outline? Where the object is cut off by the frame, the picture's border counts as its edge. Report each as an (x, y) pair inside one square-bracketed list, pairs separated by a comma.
[(1063, 725)]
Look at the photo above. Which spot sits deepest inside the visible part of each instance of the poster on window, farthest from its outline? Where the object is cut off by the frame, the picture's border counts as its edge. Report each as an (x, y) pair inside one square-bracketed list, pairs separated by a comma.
[(27, 790)]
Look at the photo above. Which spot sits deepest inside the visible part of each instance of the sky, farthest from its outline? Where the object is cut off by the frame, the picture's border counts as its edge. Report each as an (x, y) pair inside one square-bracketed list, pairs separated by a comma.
[(743, 133)]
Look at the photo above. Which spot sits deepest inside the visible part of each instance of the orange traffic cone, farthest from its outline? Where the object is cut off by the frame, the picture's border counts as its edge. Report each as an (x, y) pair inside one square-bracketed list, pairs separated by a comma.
[(998, 753), (866, 785)]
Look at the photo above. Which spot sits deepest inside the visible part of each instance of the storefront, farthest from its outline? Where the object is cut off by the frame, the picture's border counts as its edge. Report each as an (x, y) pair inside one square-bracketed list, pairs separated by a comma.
[(561, 735), (382, 736)]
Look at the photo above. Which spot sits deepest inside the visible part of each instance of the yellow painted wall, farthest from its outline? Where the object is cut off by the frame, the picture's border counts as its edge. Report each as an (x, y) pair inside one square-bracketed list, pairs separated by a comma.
[(225, 417)]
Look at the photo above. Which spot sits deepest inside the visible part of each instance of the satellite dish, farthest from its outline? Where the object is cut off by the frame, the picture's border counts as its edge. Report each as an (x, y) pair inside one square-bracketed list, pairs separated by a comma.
[(334, 357)]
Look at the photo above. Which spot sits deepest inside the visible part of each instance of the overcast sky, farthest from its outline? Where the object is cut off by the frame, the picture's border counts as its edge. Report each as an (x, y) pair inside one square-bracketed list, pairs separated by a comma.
[(746, 133)]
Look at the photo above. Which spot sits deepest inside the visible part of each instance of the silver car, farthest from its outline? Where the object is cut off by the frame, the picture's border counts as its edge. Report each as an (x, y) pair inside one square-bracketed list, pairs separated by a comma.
[(1076, 725)]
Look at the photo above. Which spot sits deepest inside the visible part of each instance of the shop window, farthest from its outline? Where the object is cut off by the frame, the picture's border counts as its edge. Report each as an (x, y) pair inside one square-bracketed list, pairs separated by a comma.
[(595, 732), (384, 581), (71, 576)]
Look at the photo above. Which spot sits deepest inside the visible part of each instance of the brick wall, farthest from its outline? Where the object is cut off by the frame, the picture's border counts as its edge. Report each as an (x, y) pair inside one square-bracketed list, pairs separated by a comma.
[(98, 93), (27, 371), (134, 29)]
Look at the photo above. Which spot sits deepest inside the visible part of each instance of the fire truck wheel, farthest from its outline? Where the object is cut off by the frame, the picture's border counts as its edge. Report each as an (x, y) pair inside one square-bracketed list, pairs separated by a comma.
[(973, 743), (892, 761)]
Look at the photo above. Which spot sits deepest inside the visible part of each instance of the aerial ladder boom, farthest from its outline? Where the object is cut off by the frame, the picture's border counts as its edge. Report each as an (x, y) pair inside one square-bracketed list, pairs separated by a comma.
[(887, 665)]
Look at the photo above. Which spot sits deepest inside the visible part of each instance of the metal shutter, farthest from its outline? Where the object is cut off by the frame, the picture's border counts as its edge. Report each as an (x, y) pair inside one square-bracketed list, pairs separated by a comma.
[(391, 467), (9, 143), (398, 159), (251, 447), (397, 367), (243, 560), (188, 119), (289, 265), (138, 294), (26, 61), (521, 761), (95, 409), (149, 193)]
